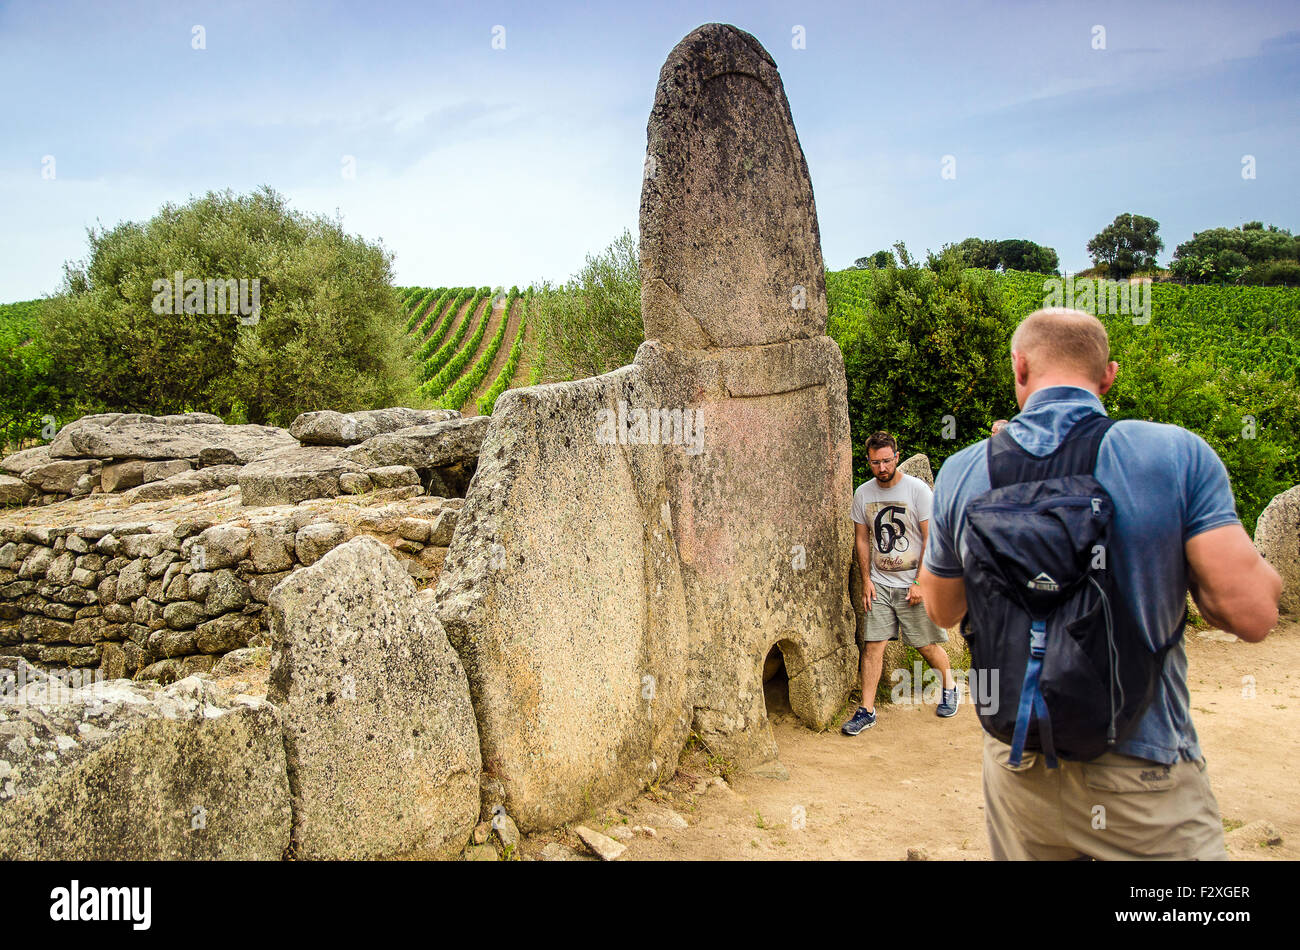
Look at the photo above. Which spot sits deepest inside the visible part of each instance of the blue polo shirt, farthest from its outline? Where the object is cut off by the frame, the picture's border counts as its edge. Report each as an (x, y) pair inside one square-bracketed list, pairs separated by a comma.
[(1168, 485)]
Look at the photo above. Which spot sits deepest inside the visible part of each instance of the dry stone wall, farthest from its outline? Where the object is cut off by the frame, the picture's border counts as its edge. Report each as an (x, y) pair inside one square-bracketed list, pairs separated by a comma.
[(161, 580), (166, 598)]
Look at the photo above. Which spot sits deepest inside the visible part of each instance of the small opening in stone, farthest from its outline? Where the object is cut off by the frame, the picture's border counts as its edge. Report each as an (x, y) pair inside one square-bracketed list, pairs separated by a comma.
[(450, 481), (776, 685)]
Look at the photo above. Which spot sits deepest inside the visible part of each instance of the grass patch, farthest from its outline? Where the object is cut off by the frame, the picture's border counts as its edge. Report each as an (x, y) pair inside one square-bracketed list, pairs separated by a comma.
[(718, 764)]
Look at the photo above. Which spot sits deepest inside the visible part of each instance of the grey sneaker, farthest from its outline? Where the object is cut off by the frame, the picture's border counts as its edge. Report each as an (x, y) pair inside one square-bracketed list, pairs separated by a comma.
[(862, 719), (949, 705)]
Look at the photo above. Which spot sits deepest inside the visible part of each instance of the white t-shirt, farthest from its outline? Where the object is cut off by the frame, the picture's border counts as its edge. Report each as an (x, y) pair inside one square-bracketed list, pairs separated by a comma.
[(893, 518)]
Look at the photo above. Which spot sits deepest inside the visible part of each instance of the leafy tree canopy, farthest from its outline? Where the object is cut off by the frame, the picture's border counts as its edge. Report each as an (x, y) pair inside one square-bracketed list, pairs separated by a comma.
[(874, 261), (325, 333), (1250, 254), (1129, 243), (1011, 254)]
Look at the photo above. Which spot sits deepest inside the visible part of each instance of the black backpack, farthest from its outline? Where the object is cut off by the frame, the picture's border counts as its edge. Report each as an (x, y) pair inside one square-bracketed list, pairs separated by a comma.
[(1073, 675)]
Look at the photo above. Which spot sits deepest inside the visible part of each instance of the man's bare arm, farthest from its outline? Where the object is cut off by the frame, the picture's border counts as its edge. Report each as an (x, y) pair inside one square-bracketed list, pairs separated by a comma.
[(915, 591), (1233, 586), (945, 597), (862, 542)]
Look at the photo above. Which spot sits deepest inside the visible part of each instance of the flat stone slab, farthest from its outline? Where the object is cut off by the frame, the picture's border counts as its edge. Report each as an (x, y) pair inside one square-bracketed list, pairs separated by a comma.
[(63, 476), (212, 478), (121, 771), (96, 516), (328, 427), (295, 473), (19, 462), (14, 491), (164, 437), (603, 846), (422, 447)]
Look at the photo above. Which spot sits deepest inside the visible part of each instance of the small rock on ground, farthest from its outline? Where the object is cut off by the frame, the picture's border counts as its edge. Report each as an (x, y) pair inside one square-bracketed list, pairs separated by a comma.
[(603, 846)]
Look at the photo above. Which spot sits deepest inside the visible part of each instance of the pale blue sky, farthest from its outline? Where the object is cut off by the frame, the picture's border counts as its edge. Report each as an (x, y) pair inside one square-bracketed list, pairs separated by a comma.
[(483, 166)]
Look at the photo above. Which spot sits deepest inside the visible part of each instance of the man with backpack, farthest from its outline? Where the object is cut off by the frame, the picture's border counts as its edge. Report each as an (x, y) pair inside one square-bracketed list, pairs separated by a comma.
[(1066, 544)]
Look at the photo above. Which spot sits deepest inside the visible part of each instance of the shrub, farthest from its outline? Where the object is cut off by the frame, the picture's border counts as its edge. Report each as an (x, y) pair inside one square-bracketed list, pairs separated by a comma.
[(926, 356), (34, 387), (1247, 415), (328, 334), (592, 324)]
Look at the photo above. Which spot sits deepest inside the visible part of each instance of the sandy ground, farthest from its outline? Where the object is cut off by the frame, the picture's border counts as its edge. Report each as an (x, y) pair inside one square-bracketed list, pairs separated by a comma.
[(913, 781)]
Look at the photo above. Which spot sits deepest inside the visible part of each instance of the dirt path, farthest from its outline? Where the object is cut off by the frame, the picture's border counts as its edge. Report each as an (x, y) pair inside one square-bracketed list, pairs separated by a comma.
[(524, 369), (913, 781), (503, 353), (493, 316)]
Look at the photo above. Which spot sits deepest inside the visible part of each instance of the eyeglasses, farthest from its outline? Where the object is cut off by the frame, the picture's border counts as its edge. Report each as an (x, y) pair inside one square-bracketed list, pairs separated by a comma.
[(876, 463)]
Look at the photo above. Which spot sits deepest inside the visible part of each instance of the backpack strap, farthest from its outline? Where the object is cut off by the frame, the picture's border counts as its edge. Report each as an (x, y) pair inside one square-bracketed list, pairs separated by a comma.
[(1076, 455), (1032, 703)]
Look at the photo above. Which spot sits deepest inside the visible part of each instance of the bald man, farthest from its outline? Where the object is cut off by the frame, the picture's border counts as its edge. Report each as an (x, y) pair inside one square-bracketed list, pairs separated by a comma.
[(1174, 528)]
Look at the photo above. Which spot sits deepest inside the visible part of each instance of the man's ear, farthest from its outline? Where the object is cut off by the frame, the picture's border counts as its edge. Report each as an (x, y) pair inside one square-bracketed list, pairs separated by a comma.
[(1020, 364), (1107, 378)]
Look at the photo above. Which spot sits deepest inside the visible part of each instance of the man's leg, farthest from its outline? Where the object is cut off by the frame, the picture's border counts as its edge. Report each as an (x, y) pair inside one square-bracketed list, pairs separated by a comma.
[(937, 657), (873, 655), (881, 624), (919, 631)]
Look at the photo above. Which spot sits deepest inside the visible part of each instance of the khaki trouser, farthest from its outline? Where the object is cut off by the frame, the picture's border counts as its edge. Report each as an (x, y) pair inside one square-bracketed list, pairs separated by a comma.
[(1113, 808)]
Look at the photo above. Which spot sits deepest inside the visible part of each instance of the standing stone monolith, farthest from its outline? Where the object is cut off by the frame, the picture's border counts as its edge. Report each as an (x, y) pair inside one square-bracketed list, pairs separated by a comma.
[(734, 305), (730, 250), (633, 545)]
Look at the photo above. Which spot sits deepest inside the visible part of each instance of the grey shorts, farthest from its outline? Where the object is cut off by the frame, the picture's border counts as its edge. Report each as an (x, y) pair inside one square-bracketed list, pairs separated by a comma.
[(892, 617)]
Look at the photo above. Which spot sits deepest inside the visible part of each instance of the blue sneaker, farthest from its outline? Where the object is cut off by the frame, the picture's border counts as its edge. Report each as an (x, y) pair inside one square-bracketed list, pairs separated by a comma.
[(949, 705), (861, 720)]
